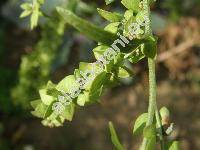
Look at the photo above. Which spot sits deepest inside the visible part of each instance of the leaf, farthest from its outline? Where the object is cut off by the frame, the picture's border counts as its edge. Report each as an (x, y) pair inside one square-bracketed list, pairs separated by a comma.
[(140, 124), (99, 81), (131, 4), (83, 98), (173, 145), (136, 55), (34, 19), (109, 1), (67, 84), (90, 30), (151, 143), (69, 112), (42, 110), (96, 87), (123, 72), (150, 48), (26, 6), (128, 14), (35, 103), (114, 137), (25, 13), (149, 132), (46, 99), (112, 27), (53, 120), (99, 50), (112, 17)]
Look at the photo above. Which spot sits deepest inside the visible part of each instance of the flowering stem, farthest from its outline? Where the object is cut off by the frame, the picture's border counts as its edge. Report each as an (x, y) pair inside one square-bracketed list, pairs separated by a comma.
[(152, 109)]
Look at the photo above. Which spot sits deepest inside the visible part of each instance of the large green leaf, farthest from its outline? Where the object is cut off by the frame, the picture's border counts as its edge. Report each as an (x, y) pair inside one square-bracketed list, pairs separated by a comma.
[(110, 16), (90, 30), (140, 124), (114, 137)]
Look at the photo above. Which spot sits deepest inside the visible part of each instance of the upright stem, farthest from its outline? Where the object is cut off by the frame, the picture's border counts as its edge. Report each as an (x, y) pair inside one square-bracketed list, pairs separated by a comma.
[(152, 109), (152, 98)]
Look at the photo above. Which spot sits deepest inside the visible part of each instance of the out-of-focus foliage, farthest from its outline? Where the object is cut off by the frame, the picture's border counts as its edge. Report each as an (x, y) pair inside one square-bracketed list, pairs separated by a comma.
[(35, 68), (178, 8)]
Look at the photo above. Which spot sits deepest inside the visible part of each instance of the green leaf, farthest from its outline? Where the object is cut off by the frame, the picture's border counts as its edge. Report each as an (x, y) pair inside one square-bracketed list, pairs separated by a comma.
[(67, 84), (99, 50), (96, 87), (173, 145), (131, 4), (140, 124), (34, 19), (25, 13), (114, 137), (150, 49), (83, 98), (35, 103), (26, 6), (69, 112), (53, 120), (46, 99), (149, 131), (112, 27), (109, 1), (41, 1), (128, 14), (90, 30), (151, 143), (42, 110), (136, 55), (112, 17), (123, 72)]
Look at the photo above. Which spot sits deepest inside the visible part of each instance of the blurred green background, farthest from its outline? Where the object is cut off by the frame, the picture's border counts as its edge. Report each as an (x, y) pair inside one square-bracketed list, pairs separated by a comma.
[(28, 59)]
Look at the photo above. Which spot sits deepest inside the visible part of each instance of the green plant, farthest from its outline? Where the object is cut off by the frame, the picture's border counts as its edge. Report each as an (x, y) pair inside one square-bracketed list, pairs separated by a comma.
[(128, 38)]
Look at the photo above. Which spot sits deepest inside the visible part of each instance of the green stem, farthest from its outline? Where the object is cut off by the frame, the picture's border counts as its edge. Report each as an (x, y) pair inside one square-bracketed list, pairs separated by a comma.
[(152, 109), (152, 98)]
